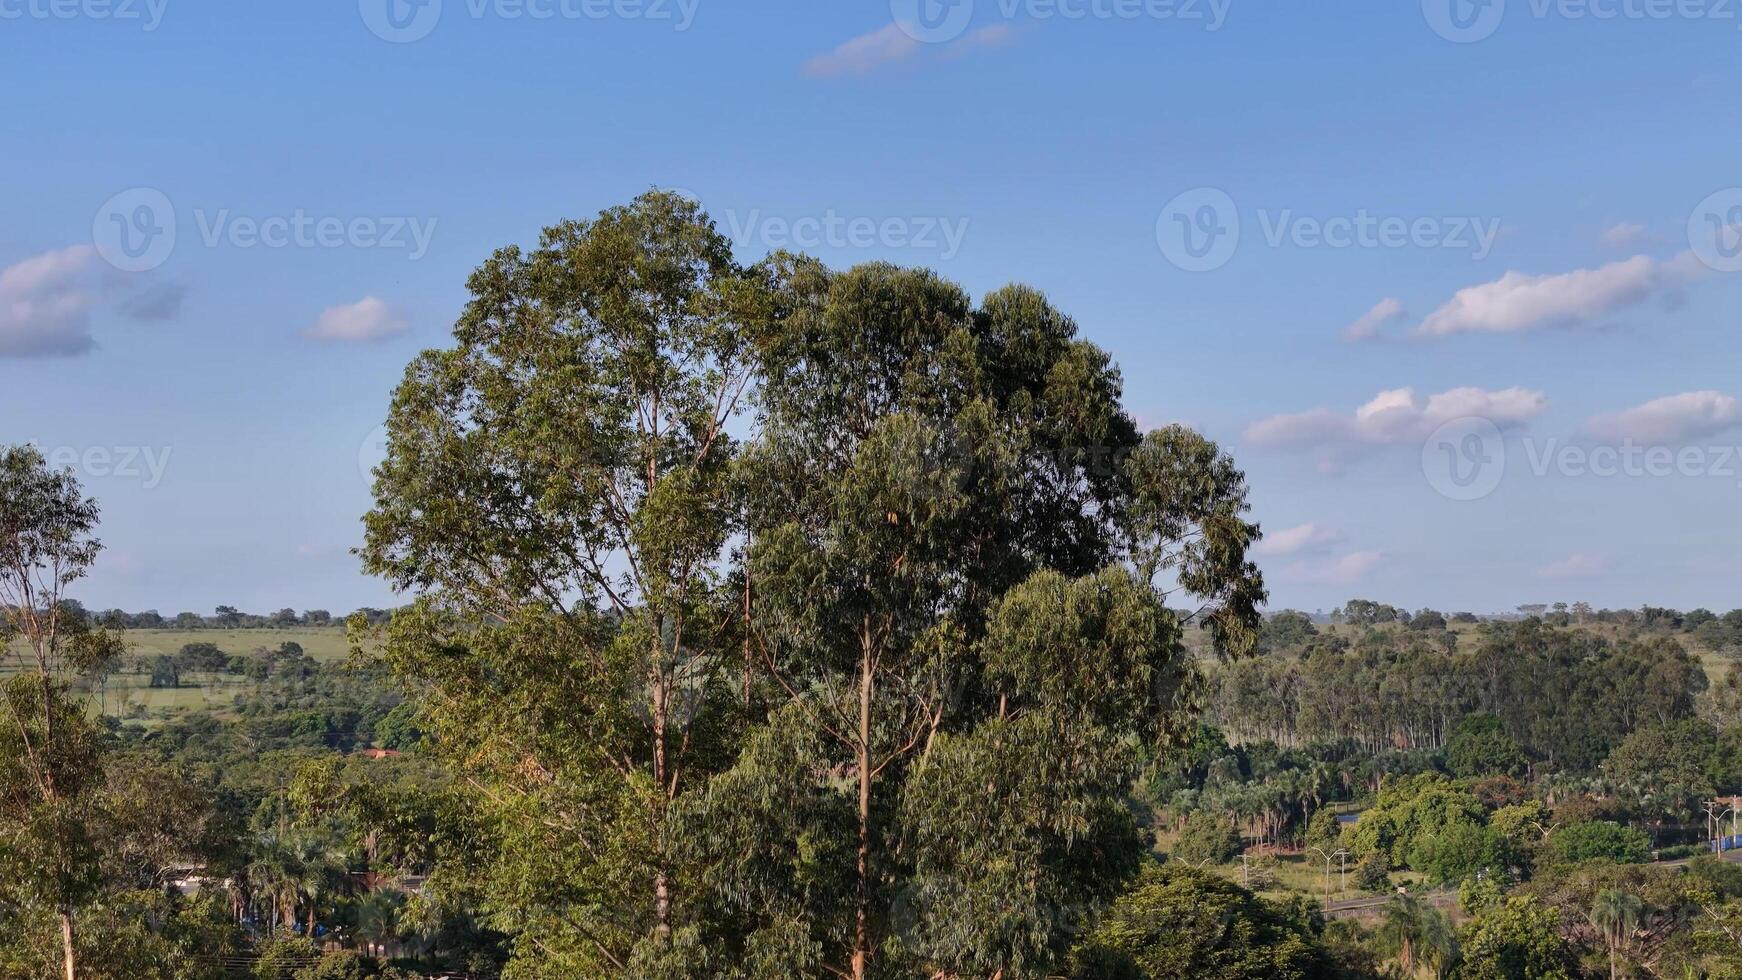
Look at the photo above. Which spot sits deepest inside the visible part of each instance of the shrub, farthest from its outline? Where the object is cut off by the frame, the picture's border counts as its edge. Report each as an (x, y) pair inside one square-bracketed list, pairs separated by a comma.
[(1600, 840), (1372, 874), (280, 958), (1207, 837), (1460, 850), (1181, 922)]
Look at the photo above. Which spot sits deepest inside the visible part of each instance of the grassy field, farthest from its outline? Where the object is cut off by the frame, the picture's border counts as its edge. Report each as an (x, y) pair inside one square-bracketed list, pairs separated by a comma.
[(129, 694), (322, 643)]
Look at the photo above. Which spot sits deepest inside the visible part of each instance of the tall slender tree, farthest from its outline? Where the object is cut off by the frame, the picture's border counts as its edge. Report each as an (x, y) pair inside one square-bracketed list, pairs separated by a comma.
[(556, 490), (1616, 914), (49, 755)]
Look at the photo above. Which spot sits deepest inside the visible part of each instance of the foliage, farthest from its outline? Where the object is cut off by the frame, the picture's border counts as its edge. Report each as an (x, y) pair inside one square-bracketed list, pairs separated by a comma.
[(1479, 746), (1180, 922), (1409, 818), (1600, 840), (1208, 838), (1517, 939)]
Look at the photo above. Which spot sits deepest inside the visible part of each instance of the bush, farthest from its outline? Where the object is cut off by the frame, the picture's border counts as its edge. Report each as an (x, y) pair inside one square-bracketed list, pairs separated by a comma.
[(1207, 838), (280, 958), (1600, 840), (1372, 874), (1461, 850), (1324, 829), (1181, 922), (1680, 851), (1517, 937)]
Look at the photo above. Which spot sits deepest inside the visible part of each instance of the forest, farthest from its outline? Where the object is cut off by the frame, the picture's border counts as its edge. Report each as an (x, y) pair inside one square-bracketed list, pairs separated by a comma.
[(776, 620)]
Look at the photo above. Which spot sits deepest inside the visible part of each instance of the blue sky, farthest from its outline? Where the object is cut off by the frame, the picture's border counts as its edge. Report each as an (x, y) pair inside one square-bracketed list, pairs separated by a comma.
[(1501, 221)]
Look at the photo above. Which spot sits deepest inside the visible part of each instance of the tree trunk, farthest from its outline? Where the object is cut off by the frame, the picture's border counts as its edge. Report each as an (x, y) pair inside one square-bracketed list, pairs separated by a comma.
[(862, 919), (66, 938), (661, 879)]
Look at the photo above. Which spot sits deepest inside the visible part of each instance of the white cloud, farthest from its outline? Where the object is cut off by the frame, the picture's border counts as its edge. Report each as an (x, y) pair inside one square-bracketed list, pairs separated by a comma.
[(45, 304), (863, 54), (1676, 418), (990, 36), (1384, 313), (1622, 235), (889, 44), (1579, 565), (1517, 302), (1344, 570), (367, 319), (1396, 417), (1294, 540)]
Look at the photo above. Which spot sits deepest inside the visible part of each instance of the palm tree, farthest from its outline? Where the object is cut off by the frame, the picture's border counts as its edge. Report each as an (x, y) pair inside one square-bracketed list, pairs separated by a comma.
[(1616, 915), (272, 877), (317, 866), (378, 921), (1438, 944), (1402, 929)]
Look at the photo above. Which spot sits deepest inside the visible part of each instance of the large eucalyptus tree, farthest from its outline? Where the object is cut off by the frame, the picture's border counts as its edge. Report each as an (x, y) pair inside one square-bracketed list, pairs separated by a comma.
[(556, 491), (855, 686), (962, 555)]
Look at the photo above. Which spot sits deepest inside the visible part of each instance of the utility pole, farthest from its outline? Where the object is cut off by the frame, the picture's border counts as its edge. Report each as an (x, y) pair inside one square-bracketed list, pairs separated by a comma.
[(1326, 871), (1715, 812)]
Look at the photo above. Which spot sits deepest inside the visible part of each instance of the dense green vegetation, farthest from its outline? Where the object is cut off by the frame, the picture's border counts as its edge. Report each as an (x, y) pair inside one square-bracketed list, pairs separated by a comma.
[(779, 621)]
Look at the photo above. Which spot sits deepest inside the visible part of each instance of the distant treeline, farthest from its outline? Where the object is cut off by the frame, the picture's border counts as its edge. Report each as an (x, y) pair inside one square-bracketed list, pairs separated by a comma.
[(1708, 627), (223, 618), (1567, 695)]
